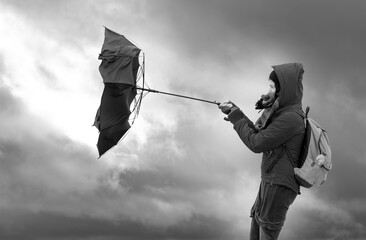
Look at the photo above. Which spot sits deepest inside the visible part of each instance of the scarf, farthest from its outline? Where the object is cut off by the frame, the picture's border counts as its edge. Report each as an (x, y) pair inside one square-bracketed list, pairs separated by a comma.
[(266, 115)]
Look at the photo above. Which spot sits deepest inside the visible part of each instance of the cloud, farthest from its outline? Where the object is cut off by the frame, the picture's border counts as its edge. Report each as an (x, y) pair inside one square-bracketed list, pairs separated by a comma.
[(238, 36), (46, 175), (51, 226), (322, 219), (182, 172), (35, 157)]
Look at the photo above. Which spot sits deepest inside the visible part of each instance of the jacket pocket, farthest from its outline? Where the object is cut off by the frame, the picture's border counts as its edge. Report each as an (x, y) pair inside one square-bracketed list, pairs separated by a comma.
[(273, 163)]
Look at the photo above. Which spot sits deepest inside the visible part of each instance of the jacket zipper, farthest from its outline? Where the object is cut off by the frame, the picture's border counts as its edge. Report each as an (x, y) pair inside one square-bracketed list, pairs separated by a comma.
[(273, 163)]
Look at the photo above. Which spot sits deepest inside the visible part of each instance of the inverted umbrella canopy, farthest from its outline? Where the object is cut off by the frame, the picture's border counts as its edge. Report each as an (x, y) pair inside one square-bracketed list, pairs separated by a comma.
[(119, 68)]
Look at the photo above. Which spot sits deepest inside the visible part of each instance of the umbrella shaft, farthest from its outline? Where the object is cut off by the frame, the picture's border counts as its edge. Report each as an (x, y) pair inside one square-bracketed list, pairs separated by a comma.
[(177, 95)]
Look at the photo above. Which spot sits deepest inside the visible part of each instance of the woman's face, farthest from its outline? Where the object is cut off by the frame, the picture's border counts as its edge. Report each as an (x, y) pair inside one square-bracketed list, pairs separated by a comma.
[(270, 97), (272, 87)]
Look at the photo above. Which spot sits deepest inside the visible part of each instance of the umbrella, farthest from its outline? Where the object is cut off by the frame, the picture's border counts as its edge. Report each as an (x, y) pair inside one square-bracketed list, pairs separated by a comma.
[(121, 70)]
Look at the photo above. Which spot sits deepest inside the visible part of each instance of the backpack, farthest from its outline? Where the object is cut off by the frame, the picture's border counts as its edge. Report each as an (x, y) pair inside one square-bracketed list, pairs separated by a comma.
[(315, 156)]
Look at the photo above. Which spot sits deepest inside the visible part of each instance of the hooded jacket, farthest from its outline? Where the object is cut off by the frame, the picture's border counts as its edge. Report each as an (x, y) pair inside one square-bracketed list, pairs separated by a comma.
[(285, 126)]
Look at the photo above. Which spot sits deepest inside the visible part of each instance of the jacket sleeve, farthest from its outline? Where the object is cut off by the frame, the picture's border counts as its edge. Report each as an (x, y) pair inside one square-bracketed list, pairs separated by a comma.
[(278, 132)]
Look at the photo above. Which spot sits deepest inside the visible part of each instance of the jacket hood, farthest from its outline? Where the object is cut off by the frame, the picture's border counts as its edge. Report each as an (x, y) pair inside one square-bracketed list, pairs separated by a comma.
[(290, 78)]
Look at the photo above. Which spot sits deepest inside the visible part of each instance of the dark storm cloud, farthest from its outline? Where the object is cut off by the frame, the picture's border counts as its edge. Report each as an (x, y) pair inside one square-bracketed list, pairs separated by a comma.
[(28, 225), (322, 225), (328, 36)]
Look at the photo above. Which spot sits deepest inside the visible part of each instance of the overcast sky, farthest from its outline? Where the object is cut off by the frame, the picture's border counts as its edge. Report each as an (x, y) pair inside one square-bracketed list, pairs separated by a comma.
[(181, 172)]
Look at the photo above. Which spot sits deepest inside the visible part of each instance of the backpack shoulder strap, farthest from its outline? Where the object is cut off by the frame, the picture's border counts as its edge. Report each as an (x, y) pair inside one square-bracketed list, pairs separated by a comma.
[(307, 111), (304, 115), (289, 156)]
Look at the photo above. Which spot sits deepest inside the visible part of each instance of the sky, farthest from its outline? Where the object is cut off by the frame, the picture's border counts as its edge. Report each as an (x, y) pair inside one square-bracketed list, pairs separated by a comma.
[(181, 172)]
